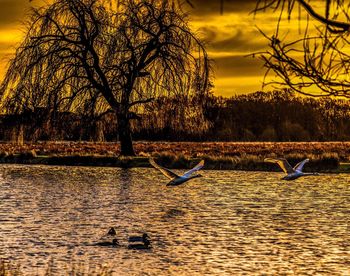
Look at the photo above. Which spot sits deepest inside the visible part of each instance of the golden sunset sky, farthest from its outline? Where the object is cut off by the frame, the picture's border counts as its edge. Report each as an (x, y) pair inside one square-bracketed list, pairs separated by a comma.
[(230, 37)]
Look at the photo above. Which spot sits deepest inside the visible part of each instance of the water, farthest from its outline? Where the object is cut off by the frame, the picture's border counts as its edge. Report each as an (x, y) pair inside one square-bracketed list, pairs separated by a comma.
[(227, 223)]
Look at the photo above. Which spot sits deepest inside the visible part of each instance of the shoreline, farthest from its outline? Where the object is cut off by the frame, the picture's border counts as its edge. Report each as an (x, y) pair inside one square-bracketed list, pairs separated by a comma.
[(328, 157), (250, 163)]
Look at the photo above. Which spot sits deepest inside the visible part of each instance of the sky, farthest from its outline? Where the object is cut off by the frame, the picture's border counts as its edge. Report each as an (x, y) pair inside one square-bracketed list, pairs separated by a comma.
[(230, 38)]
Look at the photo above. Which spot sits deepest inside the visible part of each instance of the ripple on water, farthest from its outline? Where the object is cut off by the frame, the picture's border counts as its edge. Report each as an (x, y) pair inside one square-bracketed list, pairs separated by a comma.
[(226, 223)]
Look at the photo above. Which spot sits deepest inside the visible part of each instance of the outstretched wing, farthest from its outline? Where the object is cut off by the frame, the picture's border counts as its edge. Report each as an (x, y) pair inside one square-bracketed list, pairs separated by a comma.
[(283, 163), (196, 168), (165, 171), (300, 165)]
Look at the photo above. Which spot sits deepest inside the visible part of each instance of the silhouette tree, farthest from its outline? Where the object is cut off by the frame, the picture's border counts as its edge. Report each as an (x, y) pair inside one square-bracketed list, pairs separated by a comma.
[(81, 56), (317, 61)]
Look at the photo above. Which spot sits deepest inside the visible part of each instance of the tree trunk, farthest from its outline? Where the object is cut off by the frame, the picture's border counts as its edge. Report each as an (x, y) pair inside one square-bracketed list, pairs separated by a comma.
[(18, 134), (126, 146)]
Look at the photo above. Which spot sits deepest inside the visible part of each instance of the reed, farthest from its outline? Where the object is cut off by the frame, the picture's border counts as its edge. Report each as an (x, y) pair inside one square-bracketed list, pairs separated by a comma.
[(217, 155)]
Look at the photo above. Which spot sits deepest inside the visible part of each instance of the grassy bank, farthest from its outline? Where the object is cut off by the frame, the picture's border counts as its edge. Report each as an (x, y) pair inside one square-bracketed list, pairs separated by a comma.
[(324, 157), (193, 149), (320, 163)]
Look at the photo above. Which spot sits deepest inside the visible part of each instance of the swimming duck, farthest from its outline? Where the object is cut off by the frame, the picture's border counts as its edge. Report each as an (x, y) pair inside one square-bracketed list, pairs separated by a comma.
[(106, 239), (113, 243), (178, 179), (292, 173), (142, 242)]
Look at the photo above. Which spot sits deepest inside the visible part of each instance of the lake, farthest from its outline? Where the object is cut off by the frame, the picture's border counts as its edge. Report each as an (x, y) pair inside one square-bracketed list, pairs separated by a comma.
[(226, 223)]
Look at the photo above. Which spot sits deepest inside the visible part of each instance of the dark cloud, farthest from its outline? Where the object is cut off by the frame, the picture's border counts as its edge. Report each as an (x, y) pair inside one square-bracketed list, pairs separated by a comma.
[(212, 7), (233, 40), (238, 66)]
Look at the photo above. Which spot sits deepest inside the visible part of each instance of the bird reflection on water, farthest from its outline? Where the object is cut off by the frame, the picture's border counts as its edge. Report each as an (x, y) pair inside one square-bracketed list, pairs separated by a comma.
[(173, 213)]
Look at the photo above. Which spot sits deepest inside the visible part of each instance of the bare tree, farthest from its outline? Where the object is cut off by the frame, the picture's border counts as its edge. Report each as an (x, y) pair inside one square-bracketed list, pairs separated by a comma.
[(79, 55), (316, 63)]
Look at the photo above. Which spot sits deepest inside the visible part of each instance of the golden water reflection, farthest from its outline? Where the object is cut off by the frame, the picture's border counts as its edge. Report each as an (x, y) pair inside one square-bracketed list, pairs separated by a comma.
[(227, 223)]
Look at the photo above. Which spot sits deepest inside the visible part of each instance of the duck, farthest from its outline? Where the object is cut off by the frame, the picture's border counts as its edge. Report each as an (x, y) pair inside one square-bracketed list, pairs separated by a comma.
[(112, 243), (105, 239), (178, 179), (142, 242), (292, 173)]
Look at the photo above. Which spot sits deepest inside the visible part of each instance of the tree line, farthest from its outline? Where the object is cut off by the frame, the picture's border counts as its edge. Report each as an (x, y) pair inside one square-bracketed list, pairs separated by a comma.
[(261, 116)]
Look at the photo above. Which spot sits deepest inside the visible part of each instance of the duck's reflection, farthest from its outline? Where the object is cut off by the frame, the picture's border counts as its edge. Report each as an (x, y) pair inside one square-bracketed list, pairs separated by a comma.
[(173, 213)]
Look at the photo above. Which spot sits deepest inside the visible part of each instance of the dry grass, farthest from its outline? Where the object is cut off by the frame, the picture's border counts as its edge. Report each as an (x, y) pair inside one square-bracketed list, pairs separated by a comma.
[(218, 155), (191, 149)]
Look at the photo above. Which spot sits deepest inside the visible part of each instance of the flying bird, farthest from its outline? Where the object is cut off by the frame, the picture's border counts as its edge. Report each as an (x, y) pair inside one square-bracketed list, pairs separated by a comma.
[(178, 179), (292, 173)]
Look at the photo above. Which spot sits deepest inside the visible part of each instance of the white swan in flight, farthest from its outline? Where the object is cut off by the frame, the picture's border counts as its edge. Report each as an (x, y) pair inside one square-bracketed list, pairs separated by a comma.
[(178, 179), (292, 173)]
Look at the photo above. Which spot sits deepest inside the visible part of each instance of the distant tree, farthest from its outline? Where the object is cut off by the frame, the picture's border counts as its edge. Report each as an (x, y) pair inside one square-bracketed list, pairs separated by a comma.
[(294, 132), (81, 56), (177, 118), (269, 134)]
